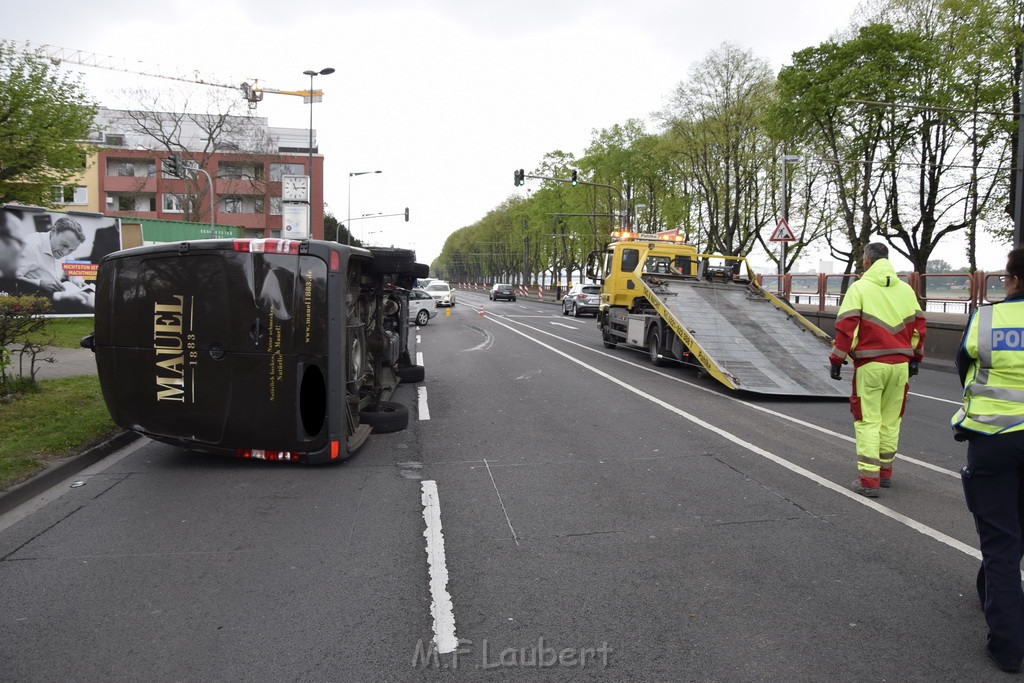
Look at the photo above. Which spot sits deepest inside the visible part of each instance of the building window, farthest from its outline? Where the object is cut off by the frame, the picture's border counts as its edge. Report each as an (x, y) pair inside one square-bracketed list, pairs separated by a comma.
[(278, 170), (152, 203), (113, 140), (173, 203), (126, 170), (70, 194), (125, 203), (275, 206), (232, 205)]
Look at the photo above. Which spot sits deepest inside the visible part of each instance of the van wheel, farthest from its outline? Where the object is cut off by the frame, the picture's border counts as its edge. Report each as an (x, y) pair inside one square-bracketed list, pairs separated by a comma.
[(385, 417), (653, 348), (411, 373), (399, 261), (422, 318)]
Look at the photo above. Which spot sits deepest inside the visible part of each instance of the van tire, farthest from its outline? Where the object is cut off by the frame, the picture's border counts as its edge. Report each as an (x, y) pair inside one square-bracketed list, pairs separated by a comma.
[(385, 417), (411, 373), (398, 261)]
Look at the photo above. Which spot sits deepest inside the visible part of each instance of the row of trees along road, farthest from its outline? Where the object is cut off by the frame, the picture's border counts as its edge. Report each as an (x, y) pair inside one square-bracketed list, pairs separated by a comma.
[(905, 127)]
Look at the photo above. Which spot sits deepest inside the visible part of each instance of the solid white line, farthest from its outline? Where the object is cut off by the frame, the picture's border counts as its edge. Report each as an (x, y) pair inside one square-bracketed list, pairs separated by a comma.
[(564, 325), (797, 469), (419, 358), (935, 398), (441, 602), (424, 411), (752, 406)]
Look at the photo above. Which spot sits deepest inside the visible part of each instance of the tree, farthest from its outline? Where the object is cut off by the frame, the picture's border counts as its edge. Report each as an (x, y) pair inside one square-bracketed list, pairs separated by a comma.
[(716, 121), (45, 119)]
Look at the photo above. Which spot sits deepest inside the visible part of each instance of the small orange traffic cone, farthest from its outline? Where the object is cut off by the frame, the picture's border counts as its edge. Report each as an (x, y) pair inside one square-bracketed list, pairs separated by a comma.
[(481, 309)]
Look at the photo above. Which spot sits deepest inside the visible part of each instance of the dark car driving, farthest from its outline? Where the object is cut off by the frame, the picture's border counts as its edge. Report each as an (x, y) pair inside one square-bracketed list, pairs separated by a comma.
[(502, 291)]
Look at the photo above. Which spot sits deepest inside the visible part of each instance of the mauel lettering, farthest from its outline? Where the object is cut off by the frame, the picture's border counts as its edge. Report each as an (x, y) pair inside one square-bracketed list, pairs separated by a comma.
[(169, 347)]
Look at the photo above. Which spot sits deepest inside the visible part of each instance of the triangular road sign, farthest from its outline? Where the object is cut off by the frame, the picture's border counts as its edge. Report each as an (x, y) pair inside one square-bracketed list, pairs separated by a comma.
[(782, 233)]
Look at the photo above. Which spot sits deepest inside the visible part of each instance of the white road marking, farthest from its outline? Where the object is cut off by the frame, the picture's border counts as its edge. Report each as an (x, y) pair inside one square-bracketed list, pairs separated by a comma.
[(419, 358), (564, 325), (767, 455), (423, 410), (441, 602), (935, 398)]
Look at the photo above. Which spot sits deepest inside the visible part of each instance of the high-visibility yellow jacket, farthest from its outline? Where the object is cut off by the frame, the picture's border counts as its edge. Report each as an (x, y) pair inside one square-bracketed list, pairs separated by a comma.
[(993, 345), (879, 320)]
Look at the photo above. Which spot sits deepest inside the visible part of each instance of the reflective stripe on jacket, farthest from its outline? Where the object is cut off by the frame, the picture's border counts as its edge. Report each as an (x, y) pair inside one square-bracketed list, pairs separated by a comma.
[(994, 382), (879, 320)]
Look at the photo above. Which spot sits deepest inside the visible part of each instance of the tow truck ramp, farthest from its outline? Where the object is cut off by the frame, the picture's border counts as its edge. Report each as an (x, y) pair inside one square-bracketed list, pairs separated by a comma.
[(747, 338)]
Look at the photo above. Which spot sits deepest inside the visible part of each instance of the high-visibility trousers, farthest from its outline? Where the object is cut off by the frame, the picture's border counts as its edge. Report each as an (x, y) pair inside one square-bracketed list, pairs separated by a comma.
[(879, 397)]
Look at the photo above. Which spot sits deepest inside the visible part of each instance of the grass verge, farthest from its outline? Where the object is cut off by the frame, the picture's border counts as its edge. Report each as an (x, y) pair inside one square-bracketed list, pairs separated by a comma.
[(67, 333), (64, 417)]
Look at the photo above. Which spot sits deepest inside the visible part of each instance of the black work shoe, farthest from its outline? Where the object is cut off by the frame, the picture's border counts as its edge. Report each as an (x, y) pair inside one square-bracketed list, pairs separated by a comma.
[(1008, 668), (866, 491), (885, 483)]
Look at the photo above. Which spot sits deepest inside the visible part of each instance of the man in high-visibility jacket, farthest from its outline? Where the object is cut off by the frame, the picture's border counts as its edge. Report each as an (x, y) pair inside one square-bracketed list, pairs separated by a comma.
[(991, 366), (881, 327)]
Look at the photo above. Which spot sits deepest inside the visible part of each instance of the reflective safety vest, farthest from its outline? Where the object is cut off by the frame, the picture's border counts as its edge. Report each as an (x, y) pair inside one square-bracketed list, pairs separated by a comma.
[(994, 386)]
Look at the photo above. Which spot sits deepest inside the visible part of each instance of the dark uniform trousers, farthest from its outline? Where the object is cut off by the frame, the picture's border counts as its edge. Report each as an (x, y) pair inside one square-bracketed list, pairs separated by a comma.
[(993, 482)]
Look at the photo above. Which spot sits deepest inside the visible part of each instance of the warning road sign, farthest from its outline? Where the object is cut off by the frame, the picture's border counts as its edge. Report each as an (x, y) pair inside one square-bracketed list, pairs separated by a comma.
[(783, 233)]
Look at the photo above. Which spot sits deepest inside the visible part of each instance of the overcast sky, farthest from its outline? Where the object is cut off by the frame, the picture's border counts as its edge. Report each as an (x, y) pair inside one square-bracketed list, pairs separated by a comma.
[(446, 97)]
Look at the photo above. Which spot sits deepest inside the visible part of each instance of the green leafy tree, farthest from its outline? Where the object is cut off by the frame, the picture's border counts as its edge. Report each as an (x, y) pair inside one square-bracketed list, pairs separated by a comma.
[(45, 117)]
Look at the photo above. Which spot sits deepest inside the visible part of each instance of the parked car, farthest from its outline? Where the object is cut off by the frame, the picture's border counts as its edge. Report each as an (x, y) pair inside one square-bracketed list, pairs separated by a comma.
[(582, 299), (421, 306), (502, 291), (442, 293)]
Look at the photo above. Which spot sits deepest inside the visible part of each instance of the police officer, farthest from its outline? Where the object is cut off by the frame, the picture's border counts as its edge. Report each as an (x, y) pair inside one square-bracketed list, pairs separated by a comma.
[(991, 366), (881, 327)]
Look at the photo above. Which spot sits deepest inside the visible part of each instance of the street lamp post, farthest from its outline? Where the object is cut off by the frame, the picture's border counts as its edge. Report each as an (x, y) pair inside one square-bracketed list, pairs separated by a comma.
[(348, 221), (309, 72), (786, 159)]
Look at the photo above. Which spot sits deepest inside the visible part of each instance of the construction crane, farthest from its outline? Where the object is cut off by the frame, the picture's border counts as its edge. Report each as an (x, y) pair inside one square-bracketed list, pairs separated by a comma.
[(252, 93)]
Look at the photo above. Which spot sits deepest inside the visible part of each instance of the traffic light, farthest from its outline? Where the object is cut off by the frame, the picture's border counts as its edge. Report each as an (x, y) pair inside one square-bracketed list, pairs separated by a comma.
[(407, 214), (574, 179), (519, 177), (174, 166)]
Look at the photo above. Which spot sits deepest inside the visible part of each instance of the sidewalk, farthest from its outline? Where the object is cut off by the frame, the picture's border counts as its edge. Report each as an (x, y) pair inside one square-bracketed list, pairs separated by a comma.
[(67, 363)]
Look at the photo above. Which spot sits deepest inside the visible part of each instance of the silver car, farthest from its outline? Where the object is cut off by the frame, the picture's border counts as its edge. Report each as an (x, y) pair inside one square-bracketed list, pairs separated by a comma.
[(421, 307), (582, 299)]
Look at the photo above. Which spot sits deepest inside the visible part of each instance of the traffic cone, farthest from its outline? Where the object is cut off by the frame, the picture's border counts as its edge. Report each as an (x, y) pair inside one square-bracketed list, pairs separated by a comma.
[(481, 309)]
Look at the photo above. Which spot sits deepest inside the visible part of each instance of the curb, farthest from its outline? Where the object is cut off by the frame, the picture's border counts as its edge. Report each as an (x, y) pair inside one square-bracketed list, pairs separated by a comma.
[(61, 469)]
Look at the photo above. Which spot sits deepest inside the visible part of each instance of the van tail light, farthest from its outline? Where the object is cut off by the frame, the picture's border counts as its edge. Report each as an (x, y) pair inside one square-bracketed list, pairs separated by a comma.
[(260, 454), (267, 246)]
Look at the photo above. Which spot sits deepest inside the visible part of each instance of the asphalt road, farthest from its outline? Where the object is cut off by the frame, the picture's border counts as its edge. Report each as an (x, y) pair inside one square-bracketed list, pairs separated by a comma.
[(601, 519)]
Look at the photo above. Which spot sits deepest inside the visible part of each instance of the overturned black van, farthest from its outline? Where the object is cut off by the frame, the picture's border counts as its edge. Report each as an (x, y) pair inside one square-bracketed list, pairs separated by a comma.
[(263, 348)]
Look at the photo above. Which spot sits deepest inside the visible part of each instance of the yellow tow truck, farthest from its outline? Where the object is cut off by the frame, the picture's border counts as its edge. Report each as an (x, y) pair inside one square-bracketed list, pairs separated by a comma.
[(659, 294)]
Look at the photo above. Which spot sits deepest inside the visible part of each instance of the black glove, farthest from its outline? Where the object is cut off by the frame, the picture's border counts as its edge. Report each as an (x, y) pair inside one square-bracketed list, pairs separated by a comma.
[(912, 370), (836, 371)]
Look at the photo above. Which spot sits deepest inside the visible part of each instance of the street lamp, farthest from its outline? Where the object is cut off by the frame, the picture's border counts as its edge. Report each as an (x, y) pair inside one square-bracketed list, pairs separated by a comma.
[(349, 220), (309, 72)]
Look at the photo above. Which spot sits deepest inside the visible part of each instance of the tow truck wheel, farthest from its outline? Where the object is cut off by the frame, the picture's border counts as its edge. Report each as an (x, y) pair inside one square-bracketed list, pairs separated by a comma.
[(653, 346), (606, 336)]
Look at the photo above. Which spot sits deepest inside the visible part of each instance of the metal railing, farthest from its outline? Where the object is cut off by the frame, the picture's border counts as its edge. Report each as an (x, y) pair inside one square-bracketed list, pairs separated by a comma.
[(943, 292)]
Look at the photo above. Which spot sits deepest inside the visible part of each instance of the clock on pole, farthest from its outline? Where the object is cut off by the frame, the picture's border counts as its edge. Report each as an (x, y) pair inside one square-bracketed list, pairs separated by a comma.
[(295, 188)]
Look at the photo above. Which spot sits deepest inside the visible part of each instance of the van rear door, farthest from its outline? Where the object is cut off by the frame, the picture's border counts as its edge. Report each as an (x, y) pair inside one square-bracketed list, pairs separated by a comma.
[(215, 345)]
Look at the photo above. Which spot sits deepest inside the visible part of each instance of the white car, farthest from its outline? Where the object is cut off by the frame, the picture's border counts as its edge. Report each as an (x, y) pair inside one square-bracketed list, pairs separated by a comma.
[(421, 307), (442, 293)]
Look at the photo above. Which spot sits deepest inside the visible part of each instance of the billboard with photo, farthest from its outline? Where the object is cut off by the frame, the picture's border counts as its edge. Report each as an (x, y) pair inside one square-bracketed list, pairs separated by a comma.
[(55, 255)]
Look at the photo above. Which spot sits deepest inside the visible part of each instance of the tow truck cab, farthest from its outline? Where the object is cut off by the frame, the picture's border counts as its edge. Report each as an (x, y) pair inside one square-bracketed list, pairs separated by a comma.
[(273, 349)]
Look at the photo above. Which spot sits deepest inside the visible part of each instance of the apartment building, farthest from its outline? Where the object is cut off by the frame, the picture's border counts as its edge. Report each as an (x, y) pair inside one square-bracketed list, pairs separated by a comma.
[(244, 156)]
